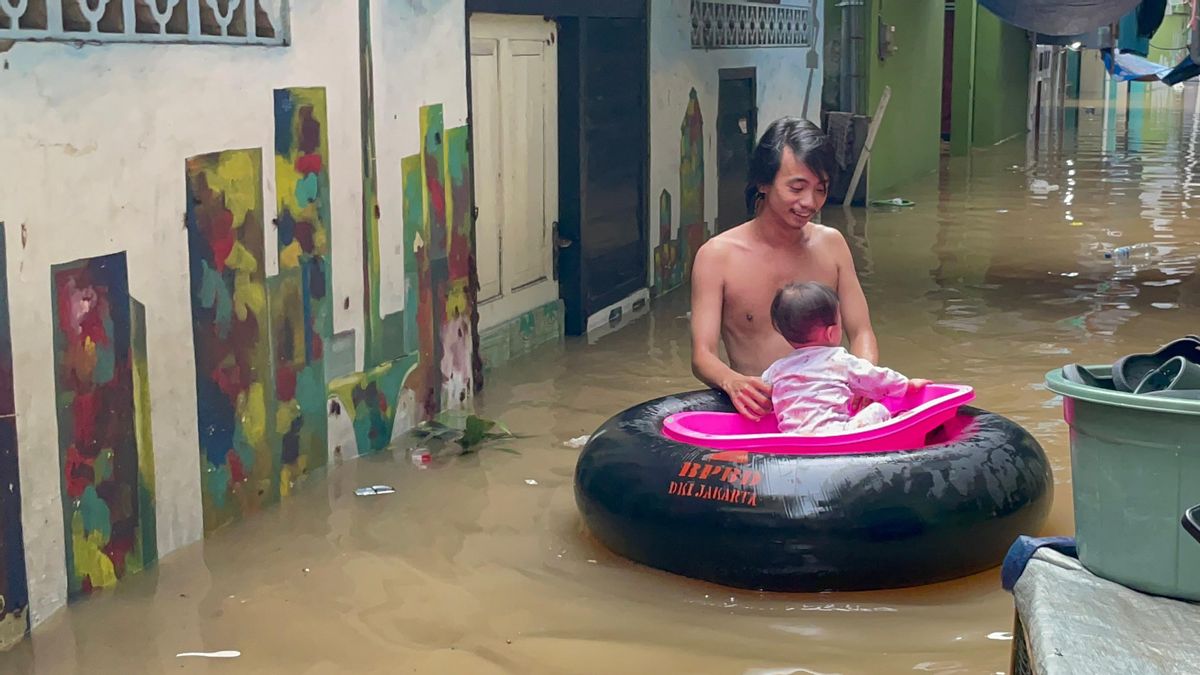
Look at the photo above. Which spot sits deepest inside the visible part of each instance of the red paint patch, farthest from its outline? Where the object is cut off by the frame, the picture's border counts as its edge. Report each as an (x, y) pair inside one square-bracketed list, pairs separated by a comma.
[(221, 238), (303, 233), (116, 551), (230, 381), (285, 382), (84, 411), (308, 164), (79, 473), (237, 473), (318, 347)]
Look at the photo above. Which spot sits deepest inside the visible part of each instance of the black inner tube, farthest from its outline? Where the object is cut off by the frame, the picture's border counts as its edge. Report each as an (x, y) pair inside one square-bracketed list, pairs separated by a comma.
[(810, 523)]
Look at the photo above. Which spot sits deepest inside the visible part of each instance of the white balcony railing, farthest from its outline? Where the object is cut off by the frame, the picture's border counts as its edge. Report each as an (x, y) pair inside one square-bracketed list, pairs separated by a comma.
[(726, 24), (229, 22)]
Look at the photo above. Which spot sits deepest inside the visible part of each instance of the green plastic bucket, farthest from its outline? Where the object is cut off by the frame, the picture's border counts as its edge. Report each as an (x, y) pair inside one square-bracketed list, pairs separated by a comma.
[(1135, 467)]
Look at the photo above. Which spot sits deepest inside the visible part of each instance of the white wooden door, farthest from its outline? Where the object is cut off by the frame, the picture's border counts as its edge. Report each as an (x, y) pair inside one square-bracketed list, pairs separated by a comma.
[(514, 90)]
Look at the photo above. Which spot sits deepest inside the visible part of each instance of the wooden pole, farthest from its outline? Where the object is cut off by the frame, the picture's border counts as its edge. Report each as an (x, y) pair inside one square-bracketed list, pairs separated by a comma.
[(866, 151)]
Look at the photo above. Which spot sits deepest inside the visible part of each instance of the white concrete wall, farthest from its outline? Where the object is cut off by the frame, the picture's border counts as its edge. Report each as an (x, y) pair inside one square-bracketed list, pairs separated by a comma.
[(92, 147), (420, 59), (676, 68)]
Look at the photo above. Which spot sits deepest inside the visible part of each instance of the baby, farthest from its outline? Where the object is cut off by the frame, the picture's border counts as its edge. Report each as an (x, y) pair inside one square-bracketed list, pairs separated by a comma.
[(813, 387)]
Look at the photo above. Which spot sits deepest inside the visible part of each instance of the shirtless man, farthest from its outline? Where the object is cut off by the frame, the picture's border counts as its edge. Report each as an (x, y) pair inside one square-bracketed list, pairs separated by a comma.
[(736, 274)]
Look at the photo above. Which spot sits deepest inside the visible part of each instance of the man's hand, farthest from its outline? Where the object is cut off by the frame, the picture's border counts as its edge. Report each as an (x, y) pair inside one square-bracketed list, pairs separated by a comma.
[(750, 395)]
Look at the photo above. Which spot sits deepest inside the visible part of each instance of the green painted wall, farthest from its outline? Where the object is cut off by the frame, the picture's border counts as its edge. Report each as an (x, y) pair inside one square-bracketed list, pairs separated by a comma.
[(909, 138), (1002, 53), (1169, 44)]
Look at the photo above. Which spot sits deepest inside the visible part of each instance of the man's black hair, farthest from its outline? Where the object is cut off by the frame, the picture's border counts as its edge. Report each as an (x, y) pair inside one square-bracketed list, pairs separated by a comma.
[(810, 145)]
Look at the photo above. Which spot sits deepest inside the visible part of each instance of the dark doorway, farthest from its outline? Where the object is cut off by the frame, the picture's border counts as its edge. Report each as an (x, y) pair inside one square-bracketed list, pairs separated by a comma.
[(947, 71), (604, 149), (737, 132)]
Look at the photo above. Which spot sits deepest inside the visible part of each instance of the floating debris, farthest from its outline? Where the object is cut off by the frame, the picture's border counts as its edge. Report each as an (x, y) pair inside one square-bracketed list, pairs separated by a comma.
[(894, 201), (225, 654), (420, 457), (577, 442), (530, 481), (1039, 186), (374, 490)]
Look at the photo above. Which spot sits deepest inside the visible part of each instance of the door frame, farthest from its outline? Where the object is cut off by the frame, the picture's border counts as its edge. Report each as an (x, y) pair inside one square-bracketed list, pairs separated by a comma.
[(724, 74), (567, 156), (513, 297)]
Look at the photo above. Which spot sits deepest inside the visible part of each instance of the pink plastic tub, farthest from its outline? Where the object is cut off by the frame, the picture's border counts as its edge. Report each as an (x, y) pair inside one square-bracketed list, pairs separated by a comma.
[(913, 417)]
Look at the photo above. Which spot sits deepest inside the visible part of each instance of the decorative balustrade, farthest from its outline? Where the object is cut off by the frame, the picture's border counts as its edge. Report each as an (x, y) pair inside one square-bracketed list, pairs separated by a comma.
[(725, 25), (230, 22)]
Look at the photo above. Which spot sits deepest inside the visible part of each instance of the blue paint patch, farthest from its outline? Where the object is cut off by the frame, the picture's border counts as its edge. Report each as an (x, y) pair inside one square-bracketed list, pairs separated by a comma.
[(216, 421), (283, 121), (287, 227), (307, 189)]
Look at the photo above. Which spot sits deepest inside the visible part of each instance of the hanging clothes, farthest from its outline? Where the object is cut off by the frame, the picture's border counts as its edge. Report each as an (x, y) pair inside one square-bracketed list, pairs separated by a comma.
[(1137, 27)]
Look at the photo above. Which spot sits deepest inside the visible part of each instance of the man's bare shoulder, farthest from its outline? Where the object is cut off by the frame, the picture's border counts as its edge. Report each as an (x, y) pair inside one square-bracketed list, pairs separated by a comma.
[(733, 240), (823, 235)]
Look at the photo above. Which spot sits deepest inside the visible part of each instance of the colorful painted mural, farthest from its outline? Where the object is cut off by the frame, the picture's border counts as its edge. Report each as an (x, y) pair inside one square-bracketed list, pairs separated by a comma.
[(234, 387), (107, 496), (674, 255), (14, 589), (300, 295), (437, 370), (667, 274), (691, 164), (460, 363)]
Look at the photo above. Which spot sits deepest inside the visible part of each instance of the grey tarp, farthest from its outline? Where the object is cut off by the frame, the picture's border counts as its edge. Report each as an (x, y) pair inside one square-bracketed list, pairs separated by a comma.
[(1076, 623), (1060, 17)]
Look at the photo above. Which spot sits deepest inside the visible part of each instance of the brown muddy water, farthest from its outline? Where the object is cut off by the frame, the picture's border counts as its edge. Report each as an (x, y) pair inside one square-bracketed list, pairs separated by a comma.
[(478, 564)]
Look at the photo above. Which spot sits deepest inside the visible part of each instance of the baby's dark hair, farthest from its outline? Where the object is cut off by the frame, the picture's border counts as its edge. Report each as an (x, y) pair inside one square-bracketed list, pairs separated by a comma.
[(800, 308)]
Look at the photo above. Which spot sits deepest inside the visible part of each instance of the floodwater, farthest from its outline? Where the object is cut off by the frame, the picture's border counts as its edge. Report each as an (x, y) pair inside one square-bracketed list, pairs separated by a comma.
[(478, 564)]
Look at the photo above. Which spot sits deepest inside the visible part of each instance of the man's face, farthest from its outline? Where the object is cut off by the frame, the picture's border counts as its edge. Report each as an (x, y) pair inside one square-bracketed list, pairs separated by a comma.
[(797, 193)]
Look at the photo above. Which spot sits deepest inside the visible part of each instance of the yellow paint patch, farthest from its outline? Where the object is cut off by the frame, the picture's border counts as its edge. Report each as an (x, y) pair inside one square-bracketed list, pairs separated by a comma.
[(289, 256), (286, 174), (236, 177), (90, 560), (456, 303), (285, 415), (248, 297), (241, 259), (253, 408), (320, 241)]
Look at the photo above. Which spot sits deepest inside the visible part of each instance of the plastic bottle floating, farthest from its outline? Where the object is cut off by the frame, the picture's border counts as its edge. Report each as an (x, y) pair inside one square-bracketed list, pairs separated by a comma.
[(1135, 252)]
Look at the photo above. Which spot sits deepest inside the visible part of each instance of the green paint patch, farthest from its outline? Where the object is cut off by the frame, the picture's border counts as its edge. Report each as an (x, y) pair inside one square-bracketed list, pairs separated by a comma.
[(410, 169), (371, 399), (147, 539), (96, 515)]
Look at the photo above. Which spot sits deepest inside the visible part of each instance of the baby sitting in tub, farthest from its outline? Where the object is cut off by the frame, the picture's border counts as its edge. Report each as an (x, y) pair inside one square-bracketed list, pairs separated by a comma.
[(813, 387)]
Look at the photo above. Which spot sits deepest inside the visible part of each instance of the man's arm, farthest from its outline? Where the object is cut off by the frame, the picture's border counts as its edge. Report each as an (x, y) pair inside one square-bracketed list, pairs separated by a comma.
[(750, 395), (856, 317), (707, 301)]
